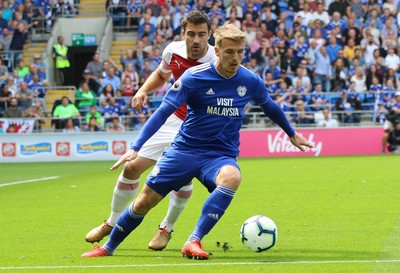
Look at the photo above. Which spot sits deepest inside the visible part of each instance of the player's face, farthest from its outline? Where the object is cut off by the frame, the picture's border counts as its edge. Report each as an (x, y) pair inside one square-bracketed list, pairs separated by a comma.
[(196, 38), (230, 55)]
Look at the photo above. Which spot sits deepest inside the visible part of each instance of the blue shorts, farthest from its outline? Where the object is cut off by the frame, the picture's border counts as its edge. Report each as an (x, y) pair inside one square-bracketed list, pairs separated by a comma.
[(176, 169)]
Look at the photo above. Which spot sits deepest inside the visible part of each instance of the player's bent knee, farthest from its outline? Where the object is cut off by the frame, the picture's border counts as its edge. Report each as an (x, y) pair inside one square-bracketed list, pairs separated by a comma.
[(230, 177)]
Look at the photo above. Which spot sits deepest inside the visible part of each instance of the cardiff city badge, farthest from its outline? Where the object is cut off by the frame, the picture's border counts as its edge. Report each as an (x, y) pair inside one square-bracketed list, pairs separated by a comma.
[(241, 90)]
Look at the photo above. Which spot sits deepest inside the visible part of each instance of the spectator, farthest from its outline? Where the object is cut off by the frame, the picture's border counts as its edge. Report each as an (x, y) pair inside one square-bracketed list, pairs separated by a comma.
[(321, 14), (339, 76), (180, 14), (133, 75), (20, 36), (24, 96), (147, 30), (145, 72), (392, 61), (323, 69), (233, 19), (373, 72), (391, 75), (37, 87), (12, 110), (116, 126), (61, 60), (94, 72), (106, 92), (360, 80), (141, 121), (85, 98), (300, 48), (36, 112), (93, 113), (112, 79), (302, 114), (64, 111), (92, 125), (70, 127), (328, 121), (347, 107), (22, 69), (165, 30), (148, 17), (306, 14), (237, 7), (127, 88), (130, 59), (29, 77), (302, 75), (6, 38), (3, 71), (7, 13), (289, 62), (63, 8), (273, 68), (40, 67), (134, 115), (332, 49), (113, 109), (380, 113)]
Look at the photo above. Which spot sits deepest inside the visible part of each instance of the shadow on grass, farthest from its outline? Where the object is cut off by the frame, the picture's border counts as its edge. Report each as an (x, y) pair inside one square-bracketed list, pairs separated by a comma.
[(273, 255)]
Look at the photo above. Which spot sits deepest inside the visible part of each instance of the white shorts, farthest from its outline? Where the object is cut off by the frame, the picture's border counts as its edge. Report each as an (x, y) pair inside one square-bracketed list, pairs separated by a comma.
[(387, 125), (154, 147)]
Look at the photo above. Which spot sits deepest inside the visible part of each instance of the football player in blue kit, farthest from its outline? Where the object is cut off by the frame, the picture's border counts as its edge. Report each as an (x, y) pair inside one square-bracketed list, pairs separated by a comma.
[(207, 144)]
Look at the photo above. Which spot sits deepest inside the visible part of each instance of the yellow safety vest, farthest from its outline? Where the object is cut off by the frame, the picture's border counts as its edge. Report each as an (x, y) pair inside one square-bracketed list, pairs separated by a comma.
[(60, 61)]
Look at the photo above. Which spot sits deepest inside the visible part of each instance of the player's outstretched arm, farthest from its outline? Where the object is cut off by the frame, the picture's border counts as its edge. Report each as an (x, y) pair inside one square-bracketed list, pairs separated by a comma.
[(155, 81), (128, 156)]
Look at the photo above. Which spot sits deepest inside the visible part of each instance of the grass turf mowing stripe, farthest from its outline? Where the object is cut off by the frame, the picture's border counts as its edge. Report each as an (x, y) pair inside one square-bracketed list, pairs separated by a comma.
[(198, 264), (29, 181)]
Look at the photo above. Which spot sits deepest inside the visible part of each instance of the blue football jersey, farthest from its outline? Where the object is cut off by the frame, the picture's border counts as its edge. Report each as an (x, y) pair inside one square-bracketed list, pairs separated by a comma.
[(215, 106)]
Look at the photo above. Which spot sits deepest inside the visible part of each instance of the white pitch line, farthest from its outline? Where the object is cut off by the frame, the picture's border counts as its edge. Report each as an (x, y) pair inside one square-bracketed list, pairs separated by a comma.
[(202, 263), (29, 181)]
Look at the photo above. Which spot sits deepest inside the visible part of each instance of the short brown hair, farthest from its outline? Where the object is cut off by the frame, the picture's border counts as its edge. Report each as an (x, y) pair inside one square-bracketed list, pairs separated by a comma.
[(196, 17)]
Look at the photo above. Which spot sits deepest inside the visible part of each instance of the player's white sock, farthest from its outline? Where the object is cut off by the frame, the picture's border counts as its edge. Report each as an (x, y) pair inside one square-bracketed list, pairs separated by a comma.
[(124, 191), (177, 202)]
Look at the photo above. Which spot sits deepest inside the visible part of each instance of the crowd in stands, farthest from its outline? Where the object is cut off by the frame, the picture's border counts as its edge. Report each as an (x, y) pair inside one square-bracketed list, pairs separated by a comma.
[(321, 60)]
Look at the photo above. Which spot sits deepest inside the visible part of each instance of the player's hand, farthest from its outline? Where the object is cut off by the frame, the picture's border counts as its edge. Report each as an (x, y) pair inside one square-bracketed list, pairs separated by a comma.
[(139, 100), (300, 142), (128, 156)]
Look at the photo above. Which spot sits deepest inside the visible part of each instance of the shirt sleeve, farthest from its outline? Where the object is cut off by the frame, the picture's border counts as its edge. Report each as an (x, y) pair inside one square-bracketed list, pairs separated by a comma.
[(275, 113)]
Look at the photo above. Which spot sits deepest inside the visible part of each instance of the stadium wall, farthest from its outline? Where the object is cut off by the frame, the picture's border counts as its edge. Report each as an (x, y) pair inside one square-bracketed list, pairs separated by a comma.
[(254, 143)]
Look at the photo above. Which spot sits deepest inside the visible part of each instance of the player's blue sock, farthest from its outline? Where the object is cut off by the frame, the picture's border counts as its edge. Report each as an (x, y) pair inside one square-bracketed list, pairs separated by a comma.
[(213, 209), (126, 223)]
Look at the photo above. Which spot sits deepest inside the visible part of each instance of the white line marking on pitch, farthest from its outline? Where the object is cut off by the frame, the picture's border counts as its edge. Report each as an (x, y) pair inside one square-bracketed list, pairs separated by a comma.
[(29, 181), (196, 264)]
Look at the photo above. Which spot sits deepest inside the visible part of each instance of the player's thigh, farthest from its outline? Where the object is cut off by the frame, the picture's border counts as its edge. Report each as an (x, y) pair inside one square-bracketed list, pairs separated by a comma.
[(154, 147), (172, 171), (135, 168), (213, 167)]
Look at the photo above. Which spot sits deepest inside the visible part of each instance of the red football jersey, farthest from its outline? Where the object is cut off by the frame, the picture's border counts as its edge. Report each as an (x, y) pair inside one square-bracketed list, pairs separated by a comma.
[(175, 60)]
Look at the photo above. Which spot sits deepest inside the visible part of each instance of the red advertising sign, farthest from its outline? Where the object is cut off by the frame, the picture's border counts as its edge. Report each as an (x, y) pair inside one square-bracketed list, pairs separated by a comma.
[(337, 141)]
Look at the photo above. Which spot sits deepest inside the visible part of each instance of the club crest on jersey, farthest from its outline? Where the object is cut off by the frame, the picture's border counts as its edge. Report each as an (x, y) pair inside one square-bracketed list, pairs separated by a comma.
[(177, 86), (241, 90)]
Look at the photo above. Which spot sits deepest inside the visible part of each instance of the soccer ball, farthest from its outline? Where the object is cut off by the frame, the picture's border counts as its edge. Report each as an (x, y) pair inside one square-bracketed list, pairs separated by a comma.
[(259, 233)]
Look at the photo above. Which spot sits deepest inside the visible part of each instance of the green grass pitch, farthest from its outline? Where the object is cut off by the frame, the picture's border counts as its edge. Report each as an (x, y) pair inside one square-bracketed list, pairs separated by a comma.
[(334, 214)]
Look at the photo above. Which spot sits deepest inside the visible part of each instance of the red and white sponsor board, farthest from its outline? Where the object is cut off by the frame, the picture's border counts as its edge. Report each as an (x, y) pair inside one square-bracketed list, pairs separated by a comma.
[(254, 143)]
